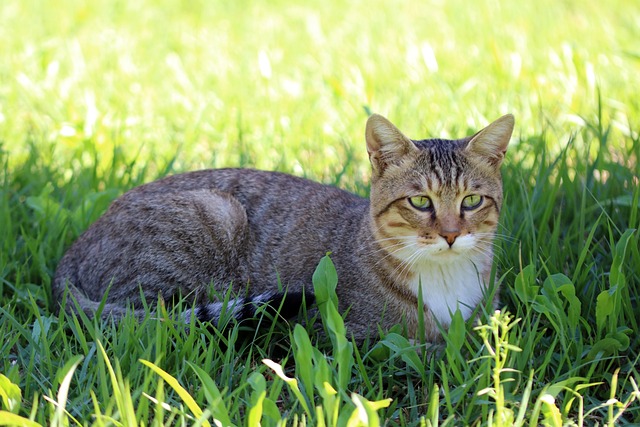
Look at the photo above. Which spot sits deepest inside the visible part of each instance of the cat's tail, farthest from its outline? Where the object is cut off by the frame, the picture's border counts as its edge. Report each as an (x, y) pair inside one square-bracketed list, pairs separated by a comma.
[(285, 305)]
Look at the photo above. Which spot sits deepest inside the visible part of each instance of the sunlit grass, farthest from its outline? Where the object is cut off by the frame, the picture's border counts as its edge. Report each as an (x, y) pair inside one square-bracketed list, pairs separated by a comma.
[(97, 97)]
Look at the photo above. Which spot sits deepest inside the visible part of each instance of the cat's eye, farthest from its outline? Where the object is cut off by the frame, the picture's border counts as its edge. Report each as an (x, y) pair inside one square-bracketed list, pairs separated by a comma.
[(471, 202), (422, 203)]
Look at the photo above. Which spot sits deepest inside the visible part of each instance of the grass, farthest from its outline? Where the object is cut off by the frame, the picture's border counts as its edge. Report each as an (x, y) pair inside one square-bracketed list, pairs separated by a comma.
[(99, 97)]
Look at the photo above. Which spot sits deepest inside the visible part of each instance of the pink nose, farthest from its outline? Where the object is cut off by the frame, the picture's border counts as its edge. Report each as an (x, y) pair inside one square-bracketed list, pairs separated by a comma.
[(450, 236)]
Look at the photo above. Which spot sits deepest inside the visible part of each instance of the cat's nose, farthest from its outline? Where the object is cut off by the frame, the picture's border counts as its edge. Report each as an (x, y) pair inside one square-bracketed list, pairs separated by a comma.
[(450, 236)]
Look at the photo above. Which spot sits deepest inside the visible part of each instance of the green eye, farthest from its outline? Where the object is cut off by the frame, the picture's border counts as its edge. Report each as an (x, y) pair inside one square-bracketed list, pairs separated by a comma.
[(471, 202), (422, 203)]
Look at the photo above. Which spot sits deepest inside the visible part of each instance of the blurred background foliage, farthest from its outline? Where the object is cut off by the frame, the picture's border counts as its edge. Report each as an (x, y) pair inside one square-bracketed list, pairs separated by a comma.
[(285, 85)]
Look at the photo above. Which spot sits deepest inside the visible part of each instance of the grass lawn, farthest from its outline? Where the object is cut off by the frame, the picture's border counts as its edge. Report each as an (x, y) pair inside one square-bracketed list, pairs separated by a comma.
[(97, 97)]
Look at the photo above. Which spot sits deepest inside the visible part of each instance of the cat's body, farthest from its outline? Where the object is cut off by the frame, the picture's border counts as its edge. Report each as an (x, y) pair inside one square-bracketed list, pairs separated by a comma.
[(253, 229)]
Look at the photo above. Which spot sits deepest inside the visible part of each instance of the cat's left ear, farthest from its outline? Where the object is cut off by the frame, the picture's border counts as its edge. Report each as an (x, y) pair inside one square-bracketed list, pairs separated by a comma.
[(491, 142)]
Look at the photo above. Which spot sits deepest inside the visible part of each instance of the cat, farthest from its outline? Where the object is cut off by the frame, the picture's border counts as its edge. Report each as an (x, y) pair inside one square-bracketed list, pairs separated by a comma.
[(430, 221)]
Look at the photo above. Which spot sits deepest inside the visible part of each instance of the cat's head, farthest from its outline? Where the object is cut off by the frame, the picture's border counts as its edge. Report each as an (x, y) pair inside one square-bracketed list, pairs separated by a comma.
[(436, 200)]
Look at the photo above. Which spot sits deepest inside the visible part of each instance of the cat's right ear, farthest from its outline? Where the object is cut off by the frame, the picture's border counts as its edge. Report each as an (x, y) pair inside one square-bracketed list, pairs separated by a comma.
[(386, 145), (491, 142)]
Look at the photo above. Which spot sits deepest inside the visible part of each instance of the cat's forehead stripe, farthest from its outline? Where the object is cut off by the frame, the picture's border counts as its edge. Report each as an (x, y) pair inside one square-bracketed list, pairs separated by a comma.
[(443, 161)]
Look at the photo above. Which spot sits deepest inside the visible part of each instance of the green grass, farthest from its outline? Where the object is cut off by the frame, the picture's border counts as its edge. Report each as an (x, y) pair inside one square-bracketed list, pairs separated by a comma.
[(97, 97)]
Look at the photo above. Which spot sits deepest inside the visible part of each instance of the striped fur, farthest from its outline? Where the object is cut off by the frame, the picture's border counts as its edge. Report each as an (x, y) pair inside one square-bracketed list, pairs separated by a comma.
[(281, 304), (257, 233)]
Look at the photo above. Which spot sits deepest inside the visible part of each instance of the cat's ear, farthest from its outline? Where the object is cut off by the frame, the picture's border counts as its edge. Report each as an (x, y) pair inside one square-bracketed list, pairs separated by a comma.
[(491, 142), (386, 145)]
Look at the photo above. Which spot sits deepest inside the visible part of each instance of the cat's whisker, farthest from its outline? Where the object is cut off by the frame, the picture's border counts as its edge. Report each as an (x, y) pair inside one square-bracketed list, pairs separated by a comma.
[(486, 241), (486, 245), (389, 254), (396, 251), (486, 254), (402, 263), (472, 262), (401, 241), (489, 243), (388, 247), (502, 226), (396, 238), (409, 262), (498, 236), (400, 269), (399, 246)]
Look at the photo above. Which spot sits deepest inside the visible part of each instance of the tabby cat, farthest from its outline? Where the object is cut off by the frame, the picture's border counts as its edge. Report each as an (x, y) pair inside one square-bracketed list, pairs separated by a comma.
[(430, 221)]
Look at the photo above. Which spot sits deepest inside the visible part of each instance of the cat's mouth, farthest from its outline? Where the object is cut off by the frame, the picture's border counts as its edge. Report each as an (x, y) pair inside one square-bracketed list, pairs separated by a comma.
[(445, 252)]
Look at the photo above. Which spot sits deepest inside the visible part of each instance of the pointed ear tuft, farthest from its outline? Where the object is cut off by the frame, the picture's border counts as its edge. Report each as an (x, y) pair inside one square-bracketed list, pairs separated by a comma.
[(491, 142), (385, 143)]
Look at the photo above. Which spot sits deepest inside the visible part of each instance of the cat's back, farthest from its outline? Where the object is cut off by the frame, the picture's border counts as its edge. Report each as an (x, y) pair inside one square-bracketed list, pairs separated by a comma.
[(255, 190), (293, 221), (204, 221)]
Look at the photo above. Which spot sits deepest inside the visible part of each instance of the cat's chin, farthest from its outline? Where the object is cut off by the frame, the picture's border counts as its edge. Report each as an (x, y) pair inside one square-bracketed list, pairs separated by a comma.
[(418, 253), (447, 256), (432, 254)]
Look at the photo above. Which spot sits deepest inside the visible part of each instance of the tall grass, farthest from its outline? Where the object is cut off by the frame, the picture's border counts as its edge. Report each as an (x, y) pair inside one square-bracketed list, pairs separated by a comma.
[(100, 97)]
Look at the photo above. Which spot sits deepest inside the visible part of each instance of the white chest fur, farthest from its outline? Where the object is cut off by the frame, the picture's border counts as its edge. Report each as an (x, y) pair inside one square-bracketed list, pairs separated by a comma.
[(447, 287)]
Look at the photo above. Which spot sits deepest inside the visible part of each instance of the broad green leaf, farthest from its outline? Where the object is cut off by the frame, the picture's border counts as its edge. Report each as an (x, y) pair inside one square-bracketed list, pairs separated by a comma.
[(556, 388), (322, 372), (11, 394), (550, 411), (259, 386), (325, 281), (342, 348), (456, 333), (559, 283), (322, 380), (270, 409), (365, 414), (330, 404), (524, 285), (10, 419), (605, 305), (303, 355), (379, 352), (335, 322), (433, 410), (47, 207), (612, 343)]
